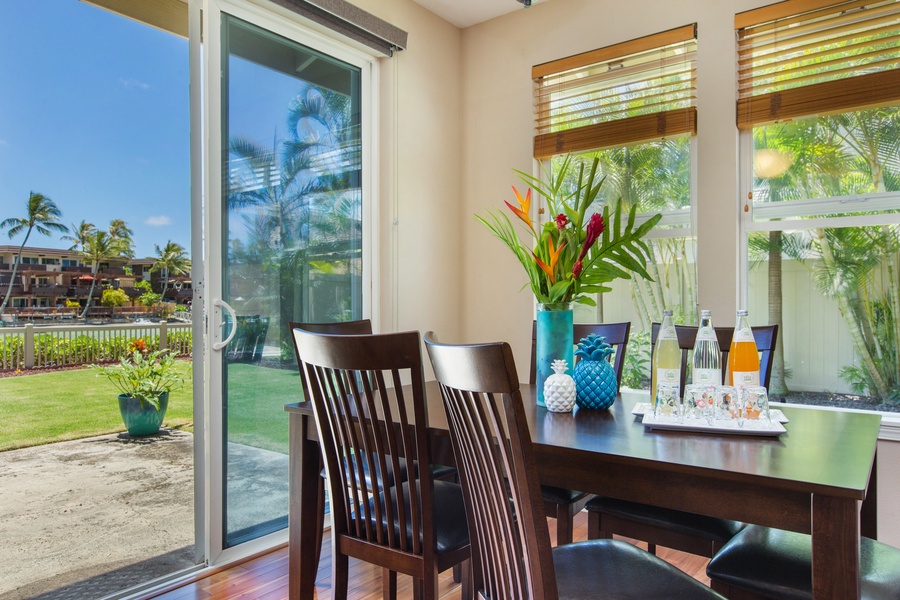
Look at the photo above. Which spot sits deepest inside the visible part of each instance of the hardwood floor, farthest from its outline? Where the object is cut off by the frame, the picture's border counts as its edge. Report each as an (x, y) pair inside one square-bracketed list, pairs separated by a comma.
[(266, 577)]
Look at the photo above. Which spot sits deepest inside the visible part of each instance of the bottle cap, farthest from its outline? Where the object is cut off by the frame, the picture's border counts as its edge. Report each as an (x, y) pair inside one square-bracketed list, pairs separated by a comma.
[(743, 313), (705, 313), (667, 313)]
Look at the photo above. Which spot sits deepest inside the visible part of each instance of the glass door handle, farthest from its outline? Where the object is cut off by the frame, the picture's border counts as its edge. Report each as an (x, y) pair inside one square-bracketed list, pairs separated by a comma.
[(218, 302)]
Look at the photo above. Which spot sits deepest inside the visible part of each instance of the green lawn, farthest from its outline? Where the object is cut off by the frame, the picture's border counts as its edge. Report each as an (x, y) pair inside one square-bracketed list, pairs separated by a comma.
[(43, 408), (69, 405), (256, 399)]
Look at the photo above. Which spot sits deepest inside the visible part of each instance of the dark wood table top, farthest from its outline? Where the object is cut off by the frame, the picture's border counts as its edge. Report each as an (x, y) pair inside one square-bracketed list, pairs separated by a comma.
[(823, 451)]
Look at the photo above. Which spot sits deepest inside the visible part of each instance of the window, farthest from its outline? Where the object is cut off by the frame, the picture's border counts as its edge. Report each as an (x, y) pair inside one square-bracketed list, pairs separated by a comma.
[(632, 106), (49, 261), (819, 104), (69, 262)]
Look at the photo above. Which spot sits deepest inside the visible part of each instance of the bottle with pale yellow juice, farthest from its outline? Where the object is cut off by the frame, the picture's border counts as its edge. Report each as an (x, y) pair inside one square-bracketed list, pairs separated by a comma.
[(665, 364), (743, 357)]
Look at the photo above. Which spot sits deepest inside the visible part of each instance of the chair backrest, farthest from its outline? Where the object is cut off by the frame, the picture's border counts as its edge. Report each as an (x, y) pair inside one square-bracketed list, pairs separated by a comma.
[(765, 337), (376, 425), (361, 327), (511, 557), (616, 335)]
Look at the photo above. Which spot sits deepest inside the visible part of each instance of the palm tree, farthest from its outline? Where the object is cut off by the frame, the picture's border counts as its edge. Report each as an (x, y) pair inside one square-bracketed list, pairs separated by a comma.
[(173, 260), (80, 235), (100, 247), (119, 230), (43, 215)]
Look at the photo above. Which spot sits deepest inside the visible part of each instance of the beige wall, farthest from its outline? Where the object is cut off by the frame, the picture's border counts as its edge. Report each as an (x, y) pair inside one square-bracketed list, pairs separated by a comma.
[(888, 491), (419, 174)]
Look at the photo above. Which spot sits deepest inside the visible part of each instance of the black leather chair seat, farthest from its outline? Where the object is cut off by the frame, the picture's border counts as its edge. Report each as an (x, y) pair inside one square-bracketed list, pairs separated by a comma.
[(451, 530), (560, 495), (437, 471), (616, 570), (687, 523), (778, 564)]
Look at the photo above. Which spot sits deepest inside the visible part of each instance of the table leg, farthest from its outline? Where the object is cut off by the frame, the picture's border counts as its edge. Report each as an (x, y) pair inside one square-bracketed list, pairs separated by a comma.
[(305, 535), (835, 547), (869, 513)]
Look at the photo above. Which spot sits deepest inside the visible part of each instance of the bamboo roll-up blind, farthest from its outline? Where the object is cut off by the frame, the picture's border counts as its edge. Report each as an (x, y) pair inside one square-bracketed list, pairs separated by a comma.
[(631, 92), (807, 57)]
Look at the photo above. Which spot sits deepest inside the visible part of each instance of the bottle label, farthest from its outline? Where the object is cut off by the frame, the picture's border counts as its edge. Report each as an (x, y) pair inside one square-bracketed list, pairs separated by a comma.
[(672, 376), (744, 335), (706, 334), (708, 376), (746, 377), (667, 333)]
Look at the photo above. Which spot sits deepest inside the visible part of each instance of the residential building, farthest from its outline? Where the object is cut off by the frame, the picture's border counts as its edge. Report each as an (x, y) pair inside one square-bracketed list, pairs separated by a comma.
[(48, 278)]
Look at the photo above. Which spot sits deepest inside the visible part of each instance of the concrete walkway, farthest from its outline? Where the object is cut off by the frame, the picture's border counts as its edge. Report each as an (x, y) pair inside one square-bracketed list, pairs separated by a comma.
[(87, 510), (91, 517)]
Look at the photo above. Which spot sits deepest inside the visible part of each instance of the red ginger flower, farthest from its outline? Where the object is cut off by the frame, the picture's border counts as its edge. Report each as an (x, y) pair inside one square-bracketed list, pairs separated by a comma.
[(594, 229), (561, 221), (576, 269)]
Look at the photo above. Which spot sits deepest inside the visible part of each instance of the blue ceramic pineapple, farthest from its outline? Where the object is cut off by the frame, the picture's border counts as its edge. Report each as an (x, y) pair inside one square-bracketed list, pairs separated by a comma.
[(594, 377)]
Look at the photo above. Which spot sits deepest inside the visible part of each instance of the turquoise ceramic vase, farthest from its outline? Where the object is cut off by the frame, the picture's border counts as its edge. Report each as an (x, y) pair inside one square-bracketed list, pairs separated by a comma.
[(554, 342), (142, 420)]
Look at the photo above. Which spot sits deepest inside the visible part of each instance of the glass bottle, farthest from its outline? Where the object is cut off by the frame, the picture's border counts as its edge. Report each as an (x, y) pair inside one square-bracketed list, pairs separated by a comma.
[(665, 364), (706, 369), (743, 358)]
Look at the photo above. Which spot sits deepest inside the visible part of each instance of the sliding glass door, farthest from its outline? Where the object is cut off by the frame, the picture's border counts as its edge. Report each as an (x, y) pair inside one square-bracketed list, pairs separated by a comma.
[(286, 244)]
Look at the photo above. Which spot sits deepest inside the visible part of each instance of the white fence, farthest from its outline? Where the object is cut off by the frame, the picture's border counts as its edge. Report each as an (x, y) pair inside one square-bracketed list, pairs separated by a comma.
[(31, 347)]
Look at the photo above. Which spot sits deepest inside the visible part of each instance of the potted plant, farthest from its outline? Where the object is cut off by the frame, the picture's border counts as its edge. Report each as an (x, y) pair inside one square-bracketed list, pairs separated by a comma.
[(145, 380)]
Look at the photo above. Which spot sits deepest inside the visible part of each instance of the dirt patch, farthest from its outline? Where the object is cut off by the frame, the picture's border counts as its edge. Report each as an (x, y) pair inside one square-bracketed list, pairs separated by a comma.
[(86, 518)]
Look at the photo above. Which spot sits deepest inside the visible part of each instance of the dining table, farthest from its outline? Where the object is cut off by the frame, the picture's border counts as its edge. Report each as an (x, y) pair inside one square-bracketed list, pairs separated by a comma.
[(819, 477)]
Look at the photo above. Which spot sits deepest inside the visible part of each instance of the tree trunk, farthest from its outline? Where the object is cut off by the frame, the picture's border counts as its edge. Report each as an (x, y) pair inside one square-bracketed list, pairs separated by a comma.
[(162, 298), (777, 384), (90, 297), (12, 278)]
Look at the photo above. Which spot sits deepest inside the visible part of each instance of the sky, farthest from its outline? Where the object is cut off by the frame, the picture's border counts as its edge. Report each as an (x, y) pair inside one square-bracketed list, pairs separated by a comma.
[(94, 114)]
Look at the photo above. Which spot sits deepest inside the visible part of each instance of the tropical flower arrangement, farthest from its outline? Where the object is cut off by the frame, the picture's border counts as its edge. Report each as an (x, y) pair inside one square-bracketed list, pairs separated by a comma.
[(580, 251)]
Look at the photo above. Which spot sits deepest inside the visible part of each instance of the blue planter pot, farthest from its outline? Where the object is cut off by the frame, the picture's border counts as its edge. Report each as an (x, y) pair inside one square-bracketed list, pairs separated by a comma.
[(142, 420), (554, 341)]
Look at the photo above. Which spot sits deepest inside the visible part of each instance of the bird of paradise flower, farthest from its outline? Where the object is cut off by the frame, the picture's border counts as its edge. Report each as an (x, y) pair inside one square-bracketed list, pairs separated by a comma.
[(581, 250)]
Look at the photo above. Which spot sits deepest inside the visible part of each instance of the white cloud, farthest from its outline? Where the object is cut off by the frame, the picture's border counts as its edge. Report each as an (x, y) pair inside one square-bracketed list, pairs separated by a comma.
[(133, 84), (158, 221)]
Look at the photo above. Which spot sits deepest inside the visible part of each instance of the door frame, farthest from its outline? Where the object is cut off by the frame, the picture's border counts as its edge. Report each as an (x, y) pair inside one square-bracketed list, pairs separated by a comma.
[(206, 163)]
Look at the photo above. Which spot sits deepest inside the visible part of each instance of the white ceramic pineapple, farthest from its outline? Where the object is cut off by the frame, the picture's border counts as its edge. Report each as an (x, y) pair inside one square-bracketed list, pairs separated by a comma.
[(559, 389)]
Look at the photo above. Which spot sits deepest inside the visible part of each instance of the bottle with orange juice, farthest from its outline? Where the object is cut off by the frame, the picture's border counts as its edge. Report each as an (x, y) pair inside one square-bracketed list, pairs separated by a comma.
[(743, 357)]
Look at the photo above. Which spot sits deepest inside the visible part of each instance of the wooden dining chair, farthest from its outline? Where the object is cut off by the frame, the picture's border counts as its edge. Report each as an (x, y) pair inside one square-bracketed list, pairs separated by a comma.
[(511, 554), (762, 562), (560, 503), (688, 532), (367, 422)]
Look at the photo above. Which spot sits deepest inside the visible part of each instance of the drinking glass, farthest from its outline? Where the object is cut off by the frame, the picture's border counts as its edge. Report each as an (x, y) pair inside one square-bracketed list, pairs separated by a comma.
[(700, 402), (667, 401), (727, 405), (755, 403)]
